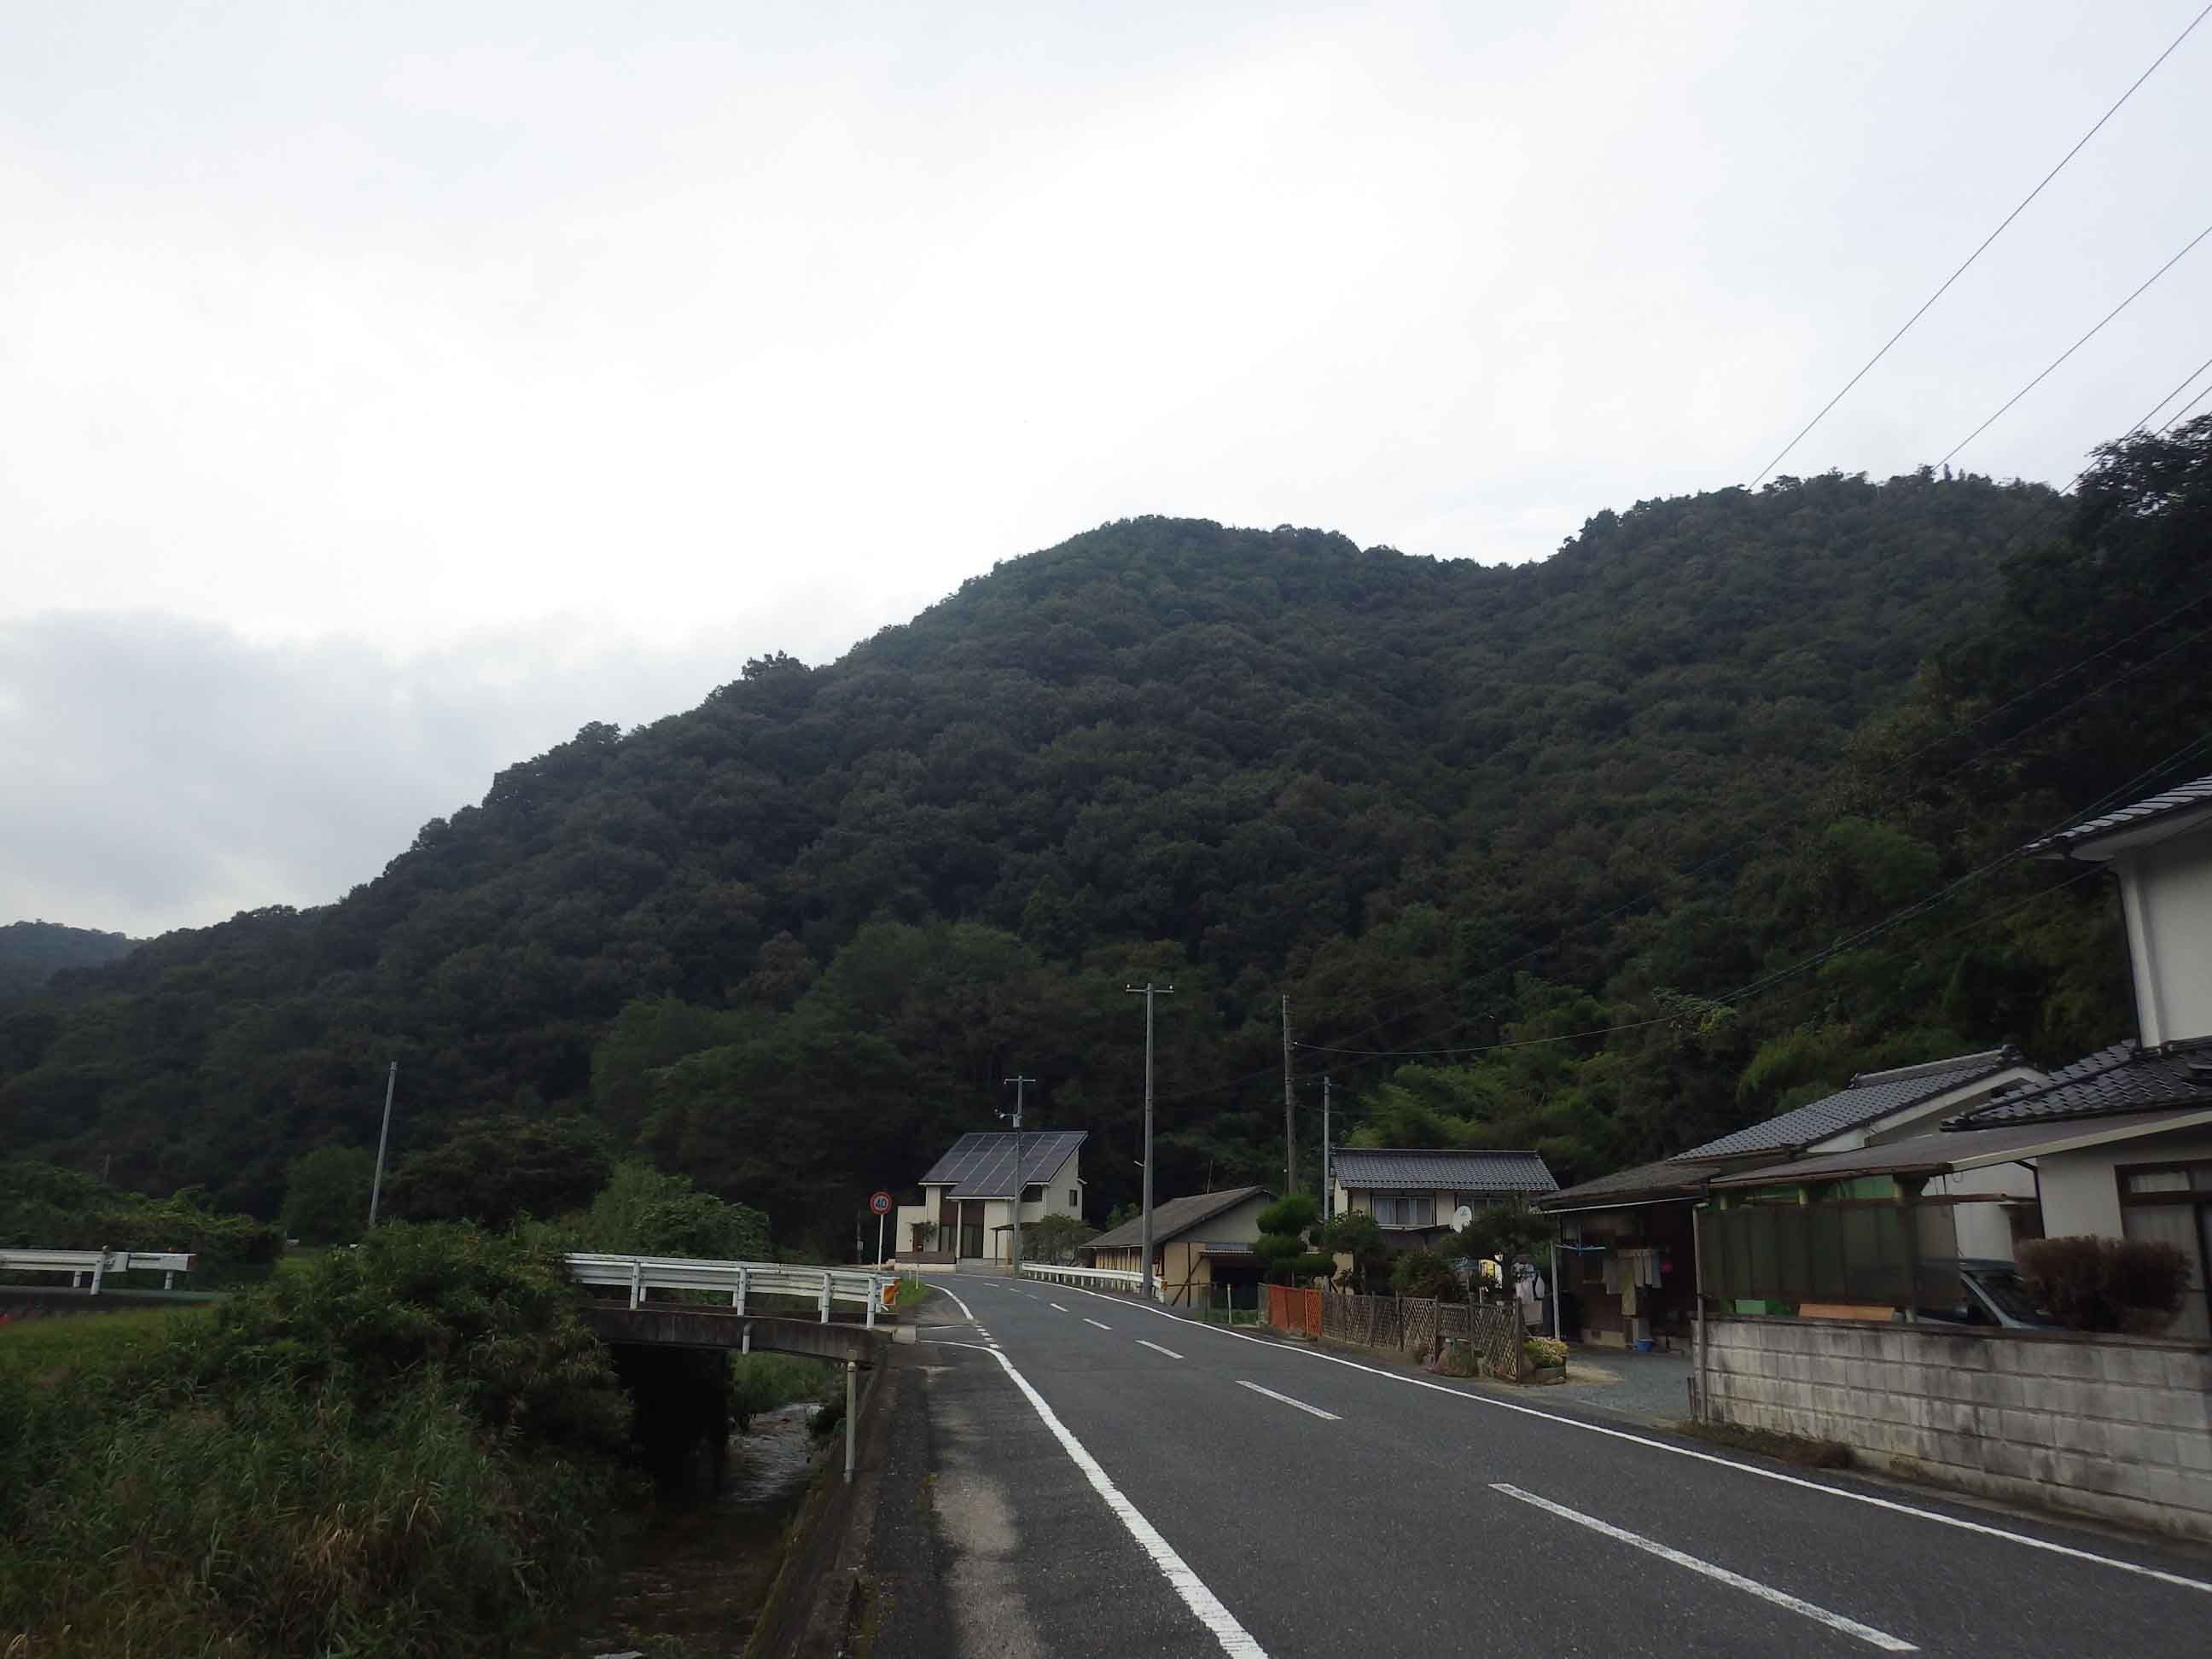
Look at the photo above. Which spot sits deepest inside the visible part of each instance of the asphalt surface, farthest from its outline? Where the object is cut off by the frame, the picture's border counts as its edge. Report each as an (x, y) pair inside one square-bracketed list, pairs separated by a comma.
[(1257, 1496)]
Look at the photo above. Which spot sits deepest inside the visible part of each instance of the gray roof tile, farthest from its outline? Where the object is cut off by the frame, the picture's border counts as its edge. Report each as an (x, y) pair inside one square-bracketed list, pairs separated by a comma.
[(2120, 1078), (981, 1165), (1383, 1169), (2196, 792), (1869, 1096), (1176, 1216)]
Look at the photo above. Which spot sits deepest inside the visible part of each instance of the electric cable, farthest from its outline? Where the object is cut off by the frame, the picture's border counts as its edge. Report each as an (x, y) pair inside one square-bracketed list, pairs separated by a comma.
[(1979, 250)]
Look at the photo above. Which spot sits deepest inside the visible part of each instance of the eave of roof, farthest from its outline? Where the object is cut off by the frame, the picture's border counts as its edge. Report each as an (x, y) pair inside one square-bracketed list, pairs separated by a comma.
[(1947, 1151), (2186, 802)]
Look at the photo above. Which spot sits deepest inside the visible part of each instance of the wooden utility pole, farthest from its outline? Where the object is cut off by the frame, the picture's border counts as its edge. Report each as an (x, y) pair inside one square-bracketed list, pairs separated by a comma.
[(1290, 1121)]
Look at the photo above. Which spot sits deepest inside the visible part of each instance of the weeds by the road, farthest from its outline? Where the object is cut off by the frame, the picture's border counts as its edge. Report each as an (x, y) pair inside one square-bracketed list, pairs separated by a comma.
[(1803, 1452), (402, 1451), (762, 1382)]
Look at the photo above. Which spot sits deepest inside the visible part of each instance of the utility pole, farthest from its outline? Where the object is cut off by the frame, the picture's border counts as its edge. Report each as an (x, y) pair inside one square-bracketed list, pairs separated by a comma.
[(1327, 1188), (1148, 991), (376, 1183), (1290, 1123), (1016, 1263)]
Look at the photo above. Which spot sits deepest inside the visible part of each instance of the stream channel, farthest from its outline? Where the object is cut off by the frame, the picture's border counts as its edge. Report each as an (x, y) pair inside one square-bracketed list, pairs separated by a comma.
[(696, 1572)]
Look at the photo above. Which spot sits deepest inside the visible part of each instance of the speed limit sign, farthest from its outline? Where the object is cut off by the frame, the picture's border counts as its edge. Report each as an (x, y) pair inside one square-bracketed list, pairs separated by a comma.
[(880, 1204)]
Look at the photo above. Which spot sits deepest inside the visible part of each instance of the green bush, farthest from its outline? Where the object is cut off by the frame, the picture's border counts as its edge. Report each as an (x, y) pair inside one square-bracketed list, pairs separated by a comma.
[(42, 1205), (2106, 1284), (490, 1170), (641, 1211), (326, 1194), (1424, 1272), (1544, 1350), (403, 1449), (497, 1318)]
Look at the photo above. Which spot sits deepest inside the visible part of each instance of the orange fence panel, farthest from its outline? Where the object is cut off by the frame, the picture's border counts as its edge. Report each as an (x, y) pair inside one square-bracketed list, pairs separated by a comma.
[(1292, 1310)]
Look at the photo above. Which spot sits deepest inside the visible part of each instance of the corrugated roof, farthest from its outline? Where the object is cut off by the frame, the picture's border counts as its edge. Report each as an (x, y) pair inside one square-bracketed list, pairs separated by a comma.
[(1673, 1178), (2196, 792), (2120, 1078), (1178, 1215), (1869, 1096), (1385, 1168), (981, 1165)]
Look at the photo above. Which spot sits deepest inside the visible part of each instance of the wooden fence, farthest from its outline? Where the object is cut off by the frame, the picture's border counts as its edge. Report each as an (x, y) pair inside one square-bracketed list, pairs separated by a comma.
[(1491, 1331)]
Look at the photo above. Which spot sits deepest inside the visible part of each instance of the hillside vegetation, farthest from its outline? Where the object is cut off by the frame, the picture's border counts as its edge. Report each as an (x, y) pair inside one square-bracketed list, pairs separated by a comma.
[(33, 952), (788, 942)]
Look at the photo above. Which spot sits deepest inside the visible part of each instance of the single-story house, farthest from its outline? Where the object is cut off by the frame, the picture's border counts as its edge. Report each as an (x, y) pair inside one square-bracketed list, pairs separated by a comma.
[(1627, 1249), (967, 1195), (1414, 1194), (1198, 1242), (2118, 1143)]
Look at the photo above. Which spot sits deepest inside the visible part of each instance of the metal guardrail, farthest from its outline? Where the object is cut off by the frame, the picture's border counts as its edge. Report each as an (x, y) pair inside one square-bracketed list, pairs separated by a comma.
[(738, 1279), (98, 1264), (1104, 1278)]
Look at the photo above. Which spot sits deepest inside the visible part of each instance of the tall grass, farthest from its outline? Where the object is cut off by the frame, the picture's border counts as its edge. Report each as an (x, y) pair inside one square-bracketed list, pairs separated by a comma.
[(407, 1458), (762, 1382)]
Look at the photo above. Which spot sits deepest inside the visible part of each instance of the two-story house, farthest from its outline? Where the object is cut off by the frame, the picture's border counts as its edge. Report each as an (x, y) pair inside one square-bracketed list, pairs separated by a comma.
[(967, 1195), (1414, 1195)]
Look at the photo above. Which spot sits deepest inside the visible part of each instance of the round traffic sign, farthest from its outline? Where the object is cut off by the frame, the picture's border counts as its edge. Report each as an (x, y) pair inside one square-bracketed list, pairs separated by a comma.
[(881, 1203)]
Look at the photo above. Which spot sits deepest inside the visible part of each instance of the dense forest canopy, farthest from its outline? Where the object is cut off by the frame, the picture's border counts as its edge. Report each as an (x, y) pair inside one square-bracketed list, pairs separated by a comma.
[(788, 943), (33, 952)]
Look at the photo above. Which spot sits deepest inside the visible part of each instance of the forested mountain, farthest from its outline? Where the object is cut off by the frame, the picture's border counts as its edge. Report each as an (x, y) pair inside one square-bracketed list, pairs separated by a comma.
[(33, 952), (789, 941)]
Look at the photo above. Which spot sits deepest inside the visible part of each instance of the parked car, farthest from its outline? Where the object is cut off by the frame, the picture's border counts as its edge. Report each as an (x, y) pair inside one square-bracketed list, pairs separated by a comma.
[(1978, 1290)]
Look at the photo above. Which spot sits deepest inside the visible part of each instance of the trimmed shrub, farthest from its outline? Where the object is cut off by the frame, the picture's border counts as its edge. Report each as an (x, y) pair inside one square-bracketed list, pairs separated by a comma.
[(2106, 1284)]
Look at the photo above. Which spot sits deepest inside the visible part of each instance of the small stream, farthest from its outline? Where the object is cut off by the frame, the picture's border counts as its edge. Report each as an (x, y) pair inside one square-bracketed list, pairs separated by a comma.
[(699, 1569)]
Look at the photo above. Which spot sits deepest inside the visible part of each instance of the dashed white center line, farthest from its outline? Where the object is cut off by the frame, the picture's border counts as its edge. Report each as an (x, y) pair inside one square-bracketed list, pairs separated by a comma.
[(1055, 1304), (1868, 1633), (1155, 1348), (1088, 1320), (1330, 1417)]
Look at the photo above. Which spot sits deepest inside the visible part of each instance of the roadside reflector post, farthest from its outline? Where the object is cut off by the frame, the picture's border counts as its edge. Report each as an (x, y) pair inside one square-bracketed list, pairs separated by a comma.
[(852, 1375)]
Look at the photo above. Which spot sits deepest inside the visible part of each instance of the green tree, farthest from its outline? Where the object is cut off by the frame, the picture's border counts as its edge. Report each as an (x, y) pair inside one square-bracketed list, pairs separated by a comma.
[(326, 1194), (1054, 1238), (490, 1170), (1284, 1246), (1356, 1234), (642, 1211)]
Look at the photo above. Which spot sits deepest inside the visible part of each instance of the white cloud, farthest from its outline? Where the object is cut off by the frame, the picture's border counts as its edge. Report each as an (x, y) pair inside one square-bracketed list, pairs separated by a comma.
[(548, 321)]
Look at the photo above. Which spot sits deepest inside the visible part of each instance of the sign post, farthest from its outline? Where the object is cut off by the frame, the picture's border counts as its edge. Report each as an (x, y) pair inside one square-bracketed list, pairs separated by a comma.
[(881, 1204)]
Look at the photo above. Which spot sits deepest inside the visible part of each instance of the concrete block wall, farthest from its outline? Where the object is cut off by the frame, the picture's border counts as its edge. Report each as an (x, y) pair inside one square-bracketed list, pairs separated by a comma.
[(2116, 1427)]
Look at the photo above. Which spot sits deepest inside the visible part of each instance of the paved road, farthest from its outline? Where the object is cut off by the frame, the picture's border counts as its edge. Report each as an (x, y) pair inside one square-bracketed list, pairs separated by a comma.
[(1109, 1479)]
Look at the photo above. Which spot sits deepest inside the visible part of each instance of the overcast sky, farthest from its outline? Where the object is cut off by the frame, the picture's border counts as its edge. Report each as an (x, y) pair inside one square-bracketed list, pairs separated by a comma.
[(386, 391)]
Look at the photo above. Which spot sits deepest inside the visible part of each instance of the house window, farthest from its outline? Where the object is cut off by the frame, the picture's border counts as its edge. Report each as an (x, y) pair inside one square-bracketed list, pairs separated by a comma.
[(1074, 1199), (1405, 1209), (2172, 1204), (1033, 1194)]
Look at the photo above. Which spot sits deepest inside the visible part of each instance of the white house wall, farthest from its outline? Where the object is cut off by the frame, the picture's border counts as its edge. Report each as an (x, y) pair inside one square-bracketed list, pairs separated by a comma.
[(2082, 1193), (2167, 896)]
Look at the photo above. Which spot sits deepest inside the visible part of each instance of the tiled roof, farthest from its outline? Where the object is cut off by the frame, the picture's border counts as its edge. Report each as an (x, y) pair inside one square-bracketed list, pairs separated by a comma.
[(1178, 1215), (981, 1165), (1971, 1149), (1869, 1096), (2197, 792), (2120, 1078), (1673, 1177), (1466, 1172)]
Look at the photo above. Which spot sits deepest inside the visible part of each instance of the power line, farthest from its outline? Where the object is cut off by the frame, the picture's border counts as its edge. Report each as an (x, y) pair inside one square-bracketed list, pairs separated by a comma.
[(2079, 343), (2153, 413), (2185, 408), (1979, 250)]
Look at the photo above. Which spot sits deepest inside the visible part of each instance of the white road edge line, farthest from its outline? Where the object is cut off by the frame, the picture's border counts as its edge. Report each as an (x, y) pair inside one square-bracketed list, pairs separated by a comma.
[(955, 1295), (1941, 1519), (1327, 1417), (1088, 1320), (1881, 1638), (1055, 1305), (1235, 1641), (1155, 1348)]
